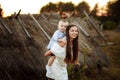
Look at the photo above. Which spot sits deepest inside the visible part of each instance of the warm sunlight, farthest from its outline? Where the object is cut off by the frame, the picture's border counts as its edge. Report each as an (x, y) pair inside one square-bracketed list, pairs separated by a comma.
[(33, 6)]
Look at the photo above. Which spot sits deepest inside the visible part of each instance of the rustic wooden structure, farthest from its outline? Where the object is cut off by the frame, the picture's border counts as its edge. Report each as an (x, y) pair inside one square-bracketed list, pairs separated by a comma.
[(24, 38)]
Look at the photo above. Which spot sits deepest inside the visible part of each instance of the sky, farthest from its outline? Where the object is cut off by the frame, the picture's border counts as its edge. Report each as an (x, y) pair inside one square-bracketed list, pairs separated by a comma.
[(33, 6)]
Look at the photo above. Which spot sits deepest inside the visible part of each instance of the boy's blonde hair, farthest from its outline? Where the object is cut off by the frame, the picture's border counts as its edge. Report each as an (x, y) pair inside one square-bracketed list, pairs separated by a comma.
[(63, 20)]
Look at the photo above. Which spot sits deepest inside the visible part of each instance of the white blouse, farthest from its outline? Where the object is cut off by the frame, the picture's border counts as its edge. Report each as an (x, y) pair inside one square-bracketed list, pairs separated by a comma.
[(58, 67)]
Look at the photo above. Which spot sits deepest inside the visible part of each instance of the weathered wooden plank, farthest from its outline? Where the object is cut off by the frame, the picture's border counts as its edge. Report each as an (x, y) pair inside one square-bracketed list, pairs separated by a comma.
[(84, 32), (18, 14), (40, 26), (6, 27), (94, 26), (22, 24), (107, 44)]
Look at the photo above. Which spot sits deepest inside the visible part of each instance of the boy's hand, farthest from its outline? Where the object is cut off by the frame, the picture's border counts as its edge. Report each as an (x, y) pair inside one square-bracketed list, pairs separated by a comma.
[(59, 40), (62, 42)]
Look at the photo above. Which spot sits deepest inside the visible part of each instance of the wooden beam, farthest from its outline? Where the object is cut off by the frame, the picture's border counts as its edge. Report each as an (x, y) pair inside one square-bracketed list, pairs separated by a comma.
[(22, 24), (40, 26), (5, 26), (18, 14), (84, 32), (95, 27)]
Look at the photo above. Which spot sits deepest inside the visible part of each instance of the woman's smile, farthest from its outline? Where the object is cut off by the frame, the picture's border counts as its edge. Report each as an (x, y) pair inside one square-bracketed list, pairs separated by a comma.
[(73, 32)]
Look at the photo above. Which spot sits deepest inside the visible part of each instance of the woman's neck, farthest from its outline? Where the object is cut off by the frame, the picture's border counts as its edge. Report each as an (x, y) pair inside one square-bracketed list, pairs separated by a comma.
[(71, 44), (71, 39)]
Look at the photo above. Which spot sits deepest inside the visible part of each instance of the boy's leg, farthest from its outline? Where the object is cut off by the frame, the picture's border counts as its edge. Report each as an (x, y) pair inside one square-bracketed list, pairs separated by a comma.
[(48, 66), (47, 53), (50, 61)]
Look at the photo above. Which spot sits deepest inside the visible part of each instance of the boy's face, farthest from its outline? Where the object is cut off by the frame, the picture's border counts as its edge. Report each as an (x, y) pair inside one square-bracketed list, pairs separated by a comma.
[(62, 26)]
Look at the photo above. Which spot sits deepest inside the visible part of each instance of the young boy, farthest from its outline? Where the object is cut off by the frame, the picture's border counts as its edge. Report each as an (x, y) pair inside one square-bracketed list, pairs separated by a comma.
[(57, 37)]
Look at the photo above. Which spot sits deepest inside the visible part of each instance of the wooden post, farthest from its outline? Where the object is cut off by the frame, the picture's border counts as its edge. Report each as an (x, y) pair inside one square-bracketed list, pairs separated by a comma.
[(6, 27), (84, 32), (43, 16), (22, 24), (40, 26), (18, 14), (95, 27)]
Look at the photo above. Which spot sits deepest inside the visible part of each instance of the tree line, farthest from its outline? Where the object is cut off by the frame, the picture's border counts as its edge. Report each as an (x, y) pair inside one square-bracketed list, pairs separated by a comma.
[(111, 20), (66, 7), (113, 15)]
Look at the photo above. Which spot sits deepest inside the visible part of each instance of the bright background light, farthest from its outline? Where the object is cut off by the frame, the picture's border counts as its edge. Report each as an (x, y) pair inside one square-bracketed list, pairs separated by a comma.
[(33, 6)]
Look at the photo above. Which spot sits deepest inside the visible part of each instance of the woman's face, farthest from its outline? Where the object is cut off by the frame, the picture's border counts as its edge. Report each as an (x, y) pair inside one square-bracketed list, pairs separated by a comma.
[(73, 32)]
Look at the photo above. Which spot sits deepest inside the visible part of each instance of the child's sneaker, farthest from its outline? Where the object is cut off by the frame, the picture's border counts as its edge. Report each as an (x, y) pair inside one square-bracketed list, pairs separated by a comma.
[(48, 68)]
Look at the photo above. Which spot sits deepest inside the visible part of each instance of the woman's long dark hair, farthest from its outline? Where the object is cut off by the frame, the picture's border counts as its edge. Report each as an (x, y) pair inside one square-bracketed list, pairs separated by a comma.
[(68, 59)]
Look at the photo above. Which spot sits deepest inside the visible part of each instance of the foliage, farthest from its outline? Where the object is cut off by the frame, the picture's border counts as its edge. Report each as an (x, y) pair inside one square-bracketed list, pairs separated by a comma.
[(113, 52), (113, 10), (109, 25), (49, 7), (1, 11), (66, 7), (69, 6), (83, 6), (94, 11), (60, 6)]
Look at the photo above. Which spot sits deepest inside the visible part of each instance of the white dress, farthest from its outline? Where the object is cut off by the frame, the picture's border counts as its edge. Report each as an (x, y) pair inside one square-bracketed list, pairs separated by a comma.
[(58, 67)]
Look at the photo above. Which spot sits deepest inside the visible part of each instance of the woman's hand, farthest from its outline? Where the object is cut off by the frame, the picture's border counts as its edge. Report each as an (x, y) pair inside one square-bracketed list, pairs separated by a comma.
[(77, 63)]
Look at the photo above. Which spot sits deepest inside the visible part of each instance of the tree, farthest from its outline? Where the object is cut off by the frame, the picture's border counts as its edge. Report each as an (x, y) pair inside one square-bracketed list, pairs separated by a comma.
[(60, 6), (66, 7), (113, 10), (83, 6), (43, 9), (94, 11), (49, 7), (1, 11)]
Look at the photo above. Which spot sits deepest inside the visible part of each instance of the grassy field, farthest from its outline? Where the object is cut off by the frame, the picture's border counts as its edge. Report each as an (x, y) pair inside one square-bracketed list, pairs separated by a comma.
[(112, 72), (113, 53)]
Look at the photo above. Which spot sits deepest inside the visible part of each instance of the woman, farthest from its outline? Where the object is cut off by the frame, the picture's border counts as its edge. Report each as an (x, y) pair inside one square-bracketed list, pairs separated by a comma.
[(66, 53)]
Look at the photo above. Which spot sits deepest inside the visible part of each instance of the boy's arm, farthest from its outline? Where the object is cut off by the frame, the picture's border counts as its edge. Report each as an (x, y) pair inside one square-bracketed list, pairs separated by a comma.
[(56, 36), (47, 53)]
